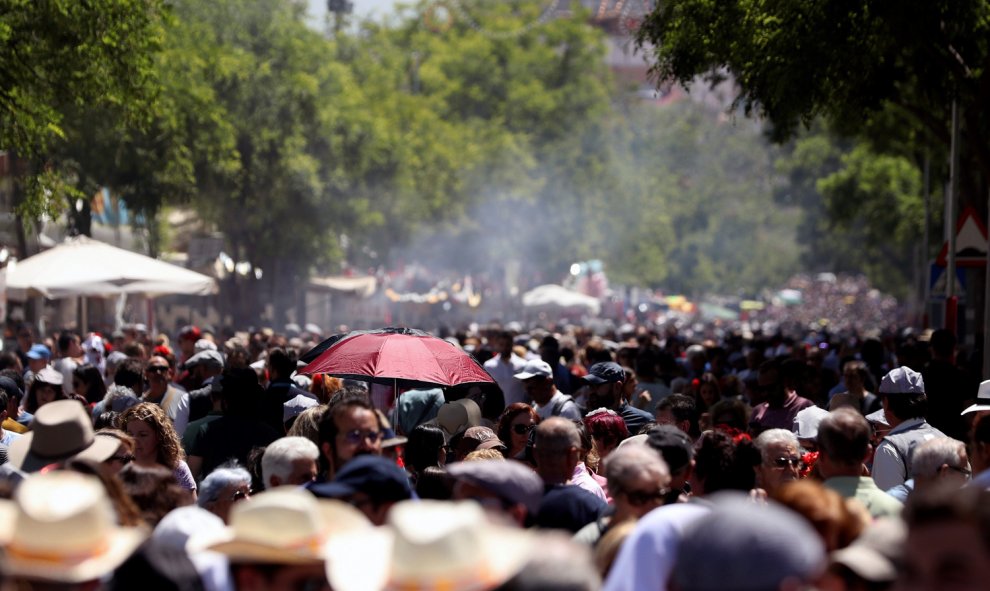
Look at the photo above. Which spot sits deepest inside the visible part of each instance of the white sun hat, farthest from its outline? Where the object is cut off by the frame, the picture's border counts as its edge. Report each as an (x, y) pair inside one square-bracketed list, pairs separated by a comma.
[(61, 527), (982, 399), (286, 525), (435, 546)]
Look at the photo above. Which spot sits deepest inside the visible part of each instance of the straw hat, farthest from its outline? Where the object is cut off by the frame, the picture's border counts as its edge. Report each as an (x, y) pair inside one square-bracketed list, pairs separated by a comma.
[(457, 416), (286, 525), (61, 527), (434, 546), (60, 430)]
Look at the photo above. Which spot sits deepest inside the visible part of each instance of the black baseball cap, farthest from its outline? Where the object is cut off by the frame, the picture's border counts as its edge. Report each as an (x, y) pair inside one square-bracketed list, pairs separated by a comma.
[(10, 388), (375, 476), (605, 372)]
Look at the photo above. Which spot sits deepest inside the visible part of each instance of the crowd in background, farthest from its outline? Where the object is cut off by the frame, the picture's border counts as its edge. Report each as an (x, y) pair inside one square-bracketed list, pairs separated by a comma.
[(627, 459)]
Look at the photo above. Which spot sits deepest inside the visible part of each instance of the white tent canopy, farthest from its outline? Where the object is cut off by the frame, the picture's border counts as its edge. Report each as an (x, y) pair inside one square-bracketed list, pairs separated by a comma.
[(81, 266), (557, 296)]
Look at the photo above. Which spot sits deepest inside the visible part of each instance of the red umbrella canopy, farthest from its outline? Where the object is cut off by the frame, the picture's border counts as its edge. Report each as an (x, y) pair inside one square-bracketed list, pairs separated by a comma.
[(384, 357)]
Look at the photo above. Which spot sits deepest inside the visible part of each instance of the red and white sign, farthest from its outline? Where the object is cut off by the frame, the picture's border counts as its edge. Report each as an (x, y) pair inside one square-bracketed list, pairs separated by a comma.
[(971, 242)]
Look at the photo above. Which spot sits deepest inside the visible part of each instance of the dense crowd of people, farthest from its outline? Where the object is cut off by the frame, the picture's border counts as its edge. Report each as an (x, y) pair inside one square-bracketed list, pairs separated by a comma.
[(632, 460)]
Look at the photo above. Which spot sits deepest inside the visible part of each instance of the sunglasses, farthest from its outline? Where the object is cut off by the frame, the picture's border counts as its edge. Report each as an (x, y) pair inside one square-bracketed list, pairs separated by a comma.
[(157, 369), (783, 462), (520, 429), (240, 495), (638, 497), (357, 436), (124, 459)]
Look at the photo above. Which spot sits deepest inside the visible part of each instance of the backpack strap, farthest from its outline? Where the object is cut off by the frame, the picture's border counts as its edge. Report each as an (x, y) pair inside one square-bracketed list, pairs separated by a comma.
[(558, 406)]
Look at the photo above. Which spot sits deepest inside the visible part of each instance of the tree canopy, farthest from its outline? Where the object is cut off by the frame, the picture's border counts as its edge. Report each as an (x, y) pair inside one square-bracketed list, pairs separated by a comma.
[(472, 148), (58, 54)]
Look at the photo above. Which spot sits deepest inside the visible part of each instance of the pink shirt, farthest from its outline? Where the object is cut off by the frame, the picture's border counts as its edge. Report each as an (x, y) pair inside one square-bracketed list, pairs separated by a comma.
[(583, 478)]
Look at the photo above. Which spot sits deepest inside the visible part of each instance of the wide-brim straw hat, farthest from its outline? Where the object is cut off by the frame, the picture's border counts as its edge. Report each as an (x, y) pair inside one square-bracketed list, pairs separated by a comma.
[(61, 527), (286, 525), (60, 430), (433, 546)]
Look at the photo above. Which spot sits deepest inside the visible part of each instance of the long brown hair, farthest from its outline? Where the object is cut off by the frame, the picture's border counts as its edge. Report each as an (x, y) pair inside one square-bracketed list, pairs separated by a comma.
[(169, 448)]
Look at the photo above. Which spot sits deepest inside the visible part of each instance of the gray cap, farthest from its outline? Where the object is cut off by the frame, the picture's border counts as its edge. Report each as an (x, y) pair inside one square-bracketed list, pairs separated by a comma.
[(755, 547), (208, 357), (508, 479), (902, 380), (877, 417)]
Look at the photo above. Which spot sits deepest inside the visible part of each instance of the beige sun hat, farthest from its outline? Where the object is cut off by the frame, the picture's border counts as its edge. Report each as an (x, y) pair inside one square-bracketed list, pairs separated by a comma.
[(434, 546), (285, 525), (60, 430), (458, 416), (61, 527)]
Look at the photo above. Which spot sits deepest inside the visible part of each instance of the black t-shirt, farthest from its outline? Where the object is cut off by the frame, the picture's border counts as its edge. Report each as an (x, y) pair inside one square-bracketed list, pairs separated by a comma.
[(948, 389), (229, 437)]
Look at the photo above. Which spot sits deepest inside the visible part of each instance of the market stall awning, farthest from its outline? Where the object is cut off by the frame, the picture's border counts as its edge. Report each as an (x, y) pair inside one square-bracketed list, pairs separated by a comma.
[(362, 287)]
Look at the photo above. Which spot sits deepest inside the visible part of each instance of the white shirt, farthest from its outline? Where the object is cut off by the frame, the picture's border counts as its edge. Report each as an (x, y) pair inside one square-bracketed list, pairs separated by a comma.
[(175, 403), (505, 375), (647, 557), (66, 366), (568, 409)]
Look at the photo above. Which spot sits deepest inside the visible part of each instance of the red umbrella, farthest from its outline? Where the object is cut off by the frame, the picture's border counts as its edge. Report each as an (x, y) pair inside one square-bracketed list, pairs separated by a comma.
[(412, 357)]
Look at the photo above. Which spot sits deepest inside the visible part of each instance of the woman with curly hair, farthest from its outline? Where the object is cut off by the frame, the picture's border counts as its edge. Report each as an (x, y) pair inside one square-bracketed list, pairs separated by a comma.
[(156, 443)]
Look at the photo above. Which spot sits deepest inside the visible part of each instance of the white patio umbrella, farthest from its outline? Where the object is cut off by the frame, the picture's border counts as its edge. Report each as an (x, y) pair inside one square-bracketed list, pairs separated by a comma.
[(81, 266)]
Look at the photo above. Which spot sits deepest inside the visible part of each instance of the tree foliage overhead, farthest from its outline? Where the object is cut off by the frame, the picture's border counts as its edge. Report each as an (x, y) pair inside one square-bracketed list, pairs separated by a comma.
[(796, 60), (58, 54), (882, 76), (502, 140), (848, 61)]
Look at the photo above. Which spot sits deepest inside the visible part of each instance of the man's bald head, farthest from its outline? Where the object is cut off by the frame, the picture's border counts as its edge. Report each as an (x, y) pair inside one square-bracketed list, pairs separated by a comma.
[(557, 434), (556, 449)]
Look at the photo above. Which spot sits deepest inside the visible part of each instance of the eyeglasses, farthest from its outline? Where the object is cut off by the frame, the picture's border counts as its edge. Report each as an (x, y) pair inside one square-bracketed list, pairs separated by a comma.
[(124, 459), (240, 494), (638, 497), (520, 429), (357, 436), (783, 462), (965, 472), (157, 368)]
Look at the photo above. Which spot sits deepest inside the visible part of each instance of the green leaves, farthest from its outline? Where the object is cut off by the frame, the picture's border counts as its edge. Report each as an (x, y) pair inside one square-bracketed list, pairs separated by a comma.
[(58, 53)]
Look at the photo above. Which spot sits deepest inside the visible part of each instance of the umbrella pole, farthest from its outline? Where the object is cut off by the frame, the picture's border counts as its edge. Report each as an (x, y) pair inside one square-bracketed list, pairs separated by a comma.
[(394, 419)]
